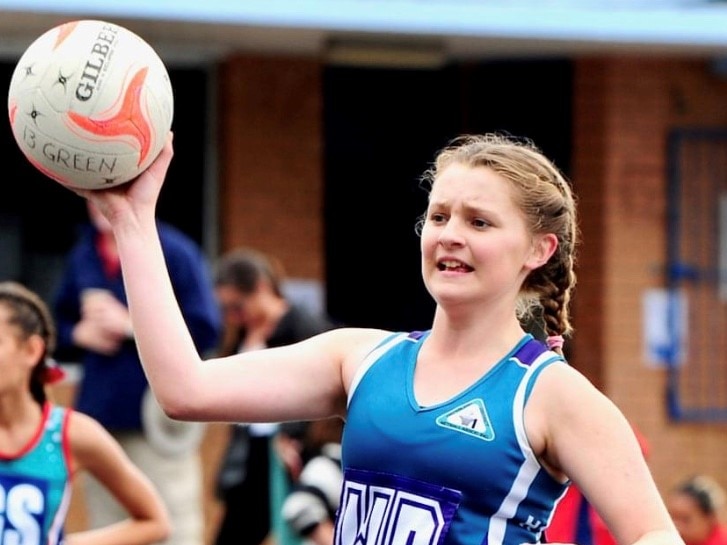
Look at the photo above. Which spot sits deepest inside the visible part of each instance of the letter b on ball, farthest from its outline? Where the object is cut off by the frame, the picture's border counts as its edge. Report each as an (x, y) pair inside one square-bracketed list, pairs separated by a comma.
[(90, 104)]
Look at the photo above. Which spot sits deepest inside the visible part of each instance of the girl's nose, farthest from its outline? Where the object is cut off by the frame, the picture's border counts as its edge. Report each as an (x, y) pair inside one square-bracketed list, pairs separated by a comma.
[(451, 234)]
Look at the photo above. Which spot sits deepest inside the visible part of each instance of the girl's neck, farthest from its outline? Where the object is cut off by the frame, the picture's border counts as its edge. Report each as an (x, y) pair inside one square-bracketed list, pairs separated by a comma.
[(470, 335), (20, 418)]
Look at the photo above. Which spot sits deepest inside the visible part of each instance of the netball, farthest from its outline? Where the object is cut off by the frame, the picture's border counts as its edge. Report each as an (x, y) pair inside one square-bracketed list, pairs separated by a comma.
[(90, 104)]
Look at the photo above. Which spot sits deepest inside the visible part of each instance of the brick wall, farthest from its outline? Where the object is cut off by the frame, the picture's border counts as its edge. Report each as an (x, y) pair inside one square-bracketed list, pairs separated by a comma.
[(271, 156), (624, 109)]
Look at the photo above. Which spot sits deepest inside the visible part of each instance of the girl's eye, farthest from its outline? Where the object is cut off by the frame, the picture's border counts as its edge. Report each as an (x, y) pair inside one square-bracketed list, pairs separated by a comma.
[(480, 223), (437, 218)]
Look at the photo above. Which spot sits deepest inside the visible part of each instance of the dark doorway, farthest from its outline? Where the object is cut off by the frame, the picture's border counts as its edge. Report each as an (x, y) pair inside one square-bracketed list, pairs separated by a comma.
[(39, 219), (382, 129)]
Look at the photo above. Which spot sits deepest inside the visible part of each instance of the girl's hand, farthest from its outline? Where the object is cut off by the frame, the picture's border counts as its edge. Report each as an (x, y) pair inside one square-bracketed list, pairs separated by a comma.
[(137, 197)]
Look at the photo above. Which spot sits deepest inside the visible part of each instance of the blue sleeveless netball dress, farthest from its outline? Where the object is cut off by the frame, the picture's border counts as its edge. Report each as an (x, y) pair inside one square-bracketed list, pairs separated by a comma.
[(35, 487), (459, 472)]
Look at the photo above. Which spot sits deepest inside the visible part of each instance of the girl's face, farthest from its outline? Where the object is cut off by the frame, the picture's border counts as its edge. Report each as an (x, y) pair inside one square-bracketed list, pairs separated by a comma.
[(17, 358), (475, 243), (233, 304), (692, 523), (241, 309)]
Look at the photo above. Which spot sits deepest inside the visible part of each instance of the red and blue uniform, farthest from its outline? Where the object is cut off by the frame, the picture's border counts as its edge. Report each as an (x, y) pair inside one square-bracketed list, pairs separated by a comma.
[(35, 487)]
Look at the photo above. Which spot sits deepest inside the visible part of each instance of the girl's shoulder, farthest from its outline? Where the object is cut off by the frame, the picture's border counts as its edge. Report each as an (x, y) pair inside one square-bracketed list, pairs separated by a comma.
[(85, 434), (353, 345), (356, 339)]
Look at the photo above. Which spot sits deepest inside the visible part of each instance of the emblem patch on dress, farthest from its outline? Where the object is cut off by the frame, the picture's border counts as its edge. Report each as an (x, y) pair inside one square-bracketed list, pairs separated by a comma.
[(470, 418)]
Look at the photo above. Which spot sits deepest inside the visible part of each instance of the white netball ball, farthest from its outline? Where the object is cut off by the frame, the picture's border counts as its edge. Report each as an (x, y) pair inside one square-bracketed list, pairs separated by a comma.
[(90, 104)]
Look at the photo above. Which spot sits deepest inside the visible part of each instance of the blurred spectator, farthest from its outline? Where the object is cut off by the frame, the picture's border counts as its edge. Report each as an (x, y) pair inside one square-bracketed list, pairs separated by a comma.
[(94, 329), (695, 505), (44, 446), (256, 315), (310, 508)]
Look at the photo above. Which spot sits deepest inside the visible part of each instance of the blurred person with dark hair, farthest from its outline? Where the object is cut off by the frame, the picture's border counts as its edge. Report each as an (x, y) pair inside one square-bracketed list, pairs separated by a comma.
[(44, 446), (257, 314), (695, 505)]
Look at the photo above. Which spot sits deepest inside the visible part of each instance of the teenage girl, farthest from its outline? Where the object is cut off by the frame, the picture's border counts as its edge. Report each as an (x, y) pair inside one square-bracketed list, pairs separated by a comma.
[(44, 446), (467, 433)]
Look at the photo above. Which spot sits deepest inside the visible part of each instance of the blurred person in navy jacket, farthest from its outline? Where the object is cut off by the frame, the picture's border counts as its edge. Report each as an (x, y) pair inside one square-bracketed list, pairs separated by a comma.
[(94, 329)]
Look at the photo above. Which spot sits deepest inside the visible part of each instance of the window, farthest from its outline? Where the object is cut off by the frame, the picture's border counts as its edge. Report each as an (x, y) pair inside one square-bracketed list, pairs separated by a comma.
[(697, 271)]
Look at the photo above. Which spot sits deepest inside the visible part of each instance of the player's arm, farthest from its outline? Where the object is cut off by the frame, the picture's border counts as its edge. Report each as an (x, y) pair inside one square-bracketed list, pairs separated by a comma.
[(300, 382), (94, 450), (577, 431)]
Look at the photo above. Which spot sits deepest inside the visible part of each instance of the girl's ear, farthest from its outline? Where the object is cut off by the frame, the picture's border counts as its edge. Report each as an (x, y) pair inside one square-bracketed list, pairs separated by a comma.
[(543, 248), (34, 348)]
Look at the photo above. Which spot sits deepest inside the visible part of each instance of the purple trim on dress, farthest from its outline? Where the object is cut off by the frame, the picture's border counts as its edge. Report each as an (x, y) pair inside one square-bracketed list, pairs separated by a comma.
[(530, 351), (399, 482), (389, 500)]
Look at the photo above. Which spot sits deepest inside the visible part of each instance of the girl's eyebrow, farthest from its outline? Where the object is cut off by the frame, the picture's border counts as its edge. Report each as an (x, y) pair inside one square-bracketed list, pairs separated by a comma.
[(474, 209), (438, 202)]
